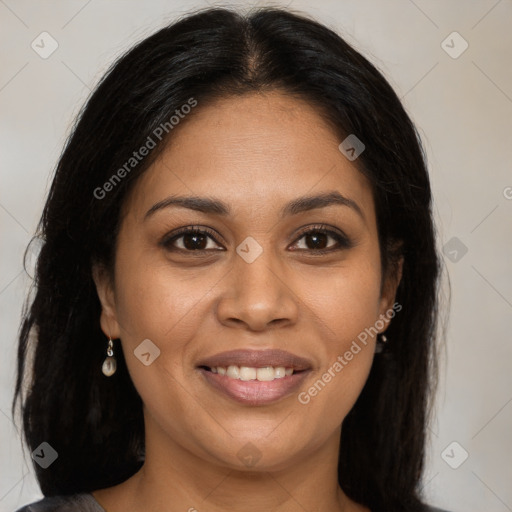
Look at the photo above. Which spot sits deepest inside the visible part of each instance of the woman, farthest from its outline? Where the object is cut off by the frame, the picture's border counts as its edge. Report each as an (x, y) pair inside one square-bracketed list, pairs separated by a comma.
[(236, 297)]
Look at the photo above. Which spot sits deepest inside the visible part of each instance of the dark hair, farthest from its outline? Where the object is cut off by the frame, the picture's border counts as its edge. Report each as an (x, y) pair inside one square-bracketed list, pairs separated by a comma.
[(95, 424)]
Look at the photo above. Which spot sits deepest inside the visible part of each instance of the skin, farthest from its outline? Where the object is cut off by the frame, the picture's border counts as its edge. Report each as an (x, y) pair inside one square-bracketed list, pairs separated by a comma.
[(256, 153)]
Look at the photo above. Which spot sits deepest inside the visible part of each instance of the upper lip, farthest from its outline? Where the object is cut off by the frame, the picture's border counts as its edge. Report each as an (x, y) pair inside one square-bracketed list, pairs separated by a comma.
[(257, 359)]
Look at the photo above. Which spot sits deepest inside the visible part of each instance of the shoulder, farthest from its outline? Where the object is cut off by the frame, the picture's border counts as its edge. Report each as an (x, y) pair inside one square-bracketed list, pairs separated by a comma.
[(434, 509), (83, 502)]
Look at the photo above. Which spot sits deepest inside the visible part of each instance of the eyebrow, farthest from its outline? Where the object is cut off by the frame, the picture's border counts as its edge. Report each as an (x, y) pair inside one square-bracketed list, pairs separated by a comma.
[(217, 207)]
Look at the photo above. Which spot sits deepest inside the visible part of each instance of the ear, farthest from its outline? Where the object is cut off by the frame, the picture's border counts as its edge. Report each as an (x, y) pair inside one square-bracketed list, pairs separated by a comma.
[(105, 290), (389, 288)]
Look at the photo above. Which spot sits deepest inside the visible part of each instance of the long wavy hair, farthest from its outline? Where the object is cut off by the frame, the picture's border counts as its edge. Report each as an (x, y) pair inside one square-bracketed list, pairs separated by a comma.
[(96, 424)]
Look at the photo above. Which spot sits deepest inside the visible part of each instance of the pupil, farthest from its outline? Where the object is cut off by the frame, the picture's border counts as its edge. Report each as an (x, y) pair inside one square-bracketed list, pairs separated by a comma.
[(319, 241), (194, 241)]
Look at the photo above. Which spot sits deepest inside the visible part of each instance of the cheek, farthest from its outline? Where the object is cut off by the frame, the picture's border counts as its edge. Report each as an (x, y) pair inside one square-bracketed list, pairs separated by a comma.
[(155, 300), (355, 303), (346, 306), (154, 303), (345, 299)]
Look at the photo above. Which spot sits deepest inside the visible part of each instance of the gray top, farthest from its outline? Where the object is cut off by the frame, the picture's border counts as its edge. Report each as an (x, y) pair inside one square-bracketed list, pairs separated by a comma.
[(83, 502)]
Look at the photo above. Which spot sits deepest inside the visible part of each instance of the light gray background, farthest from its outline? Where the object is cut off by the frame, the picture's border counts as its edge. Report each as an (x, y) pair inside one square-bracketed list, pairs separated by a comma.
[(463, 109)]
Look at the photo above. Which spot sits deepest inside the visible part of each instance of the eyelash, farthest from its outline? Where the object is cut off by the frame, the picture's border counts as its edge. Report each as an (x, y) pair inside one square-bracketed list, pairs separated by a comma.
[(342, 240)]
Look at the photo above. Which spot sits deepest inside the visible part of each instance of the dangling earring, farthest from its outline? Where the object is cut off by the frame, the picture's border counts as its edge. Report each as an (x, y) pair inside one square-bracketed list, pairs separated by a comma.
[(380, 343), (110, 364)]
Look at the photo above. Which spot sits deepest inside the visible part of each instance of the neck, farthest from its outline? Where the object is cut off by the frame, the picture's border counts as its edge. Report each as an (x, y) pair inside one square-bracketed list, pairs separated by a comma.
[(174, 478)]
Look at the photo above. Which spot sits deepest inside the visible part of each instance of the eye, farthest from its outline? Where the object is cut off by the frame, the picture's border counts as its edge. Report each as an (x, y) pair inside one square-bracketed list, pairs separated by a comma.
[(191, 239), (316, 240), (196, 239)]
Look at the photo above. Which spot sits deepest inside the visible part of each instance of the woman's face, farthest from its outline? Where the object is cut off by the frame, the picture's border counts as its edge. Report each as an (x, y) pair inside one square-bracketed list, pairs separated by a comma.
[(265, 171)]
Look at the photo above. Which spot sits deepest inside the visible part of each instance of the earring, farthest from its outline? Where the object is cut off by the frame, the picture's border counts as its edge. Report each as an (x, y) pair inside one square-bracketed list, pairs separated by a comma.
[(379, 347), (110, 364)]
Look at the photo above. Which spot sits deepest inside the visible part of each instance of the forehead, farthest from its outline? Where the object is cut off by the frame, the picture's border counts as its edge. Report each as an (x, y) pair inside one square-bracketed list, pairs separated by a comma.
[(253, 151)]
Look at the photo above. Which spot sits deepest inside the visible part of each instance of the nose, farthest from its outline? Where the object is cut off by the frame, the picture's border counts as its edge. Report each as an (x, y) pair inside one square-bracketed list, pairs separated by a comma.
[(258, 295)]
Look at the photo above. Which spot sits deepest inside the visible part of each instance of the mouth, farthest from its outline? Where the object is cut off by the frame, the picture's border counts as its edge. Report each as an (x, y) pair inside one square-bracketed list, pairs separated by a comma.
[(248, 373), (254, 377)]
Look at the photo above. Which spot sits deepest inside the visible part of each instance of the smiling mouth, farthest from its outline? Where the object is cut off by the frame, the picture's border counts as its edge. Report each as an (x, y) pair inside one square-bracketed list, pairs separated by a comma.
[(254, 377), (249, 373), (251, 386)]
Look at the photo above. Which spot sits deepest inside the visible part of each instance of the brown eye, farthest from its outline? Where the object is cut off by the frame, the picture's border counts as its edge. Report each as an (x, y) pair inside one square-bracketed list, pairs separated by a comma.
[(194, 241), (316, 240), (191, 240), (320, 240)]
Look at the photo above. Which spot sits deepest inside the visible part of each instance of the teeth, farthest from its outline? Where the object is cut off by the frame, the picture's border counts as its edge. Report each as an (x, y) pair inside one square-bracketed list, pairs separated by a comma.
[(233, 372), (246, 373), (267, 373), (280, 372)]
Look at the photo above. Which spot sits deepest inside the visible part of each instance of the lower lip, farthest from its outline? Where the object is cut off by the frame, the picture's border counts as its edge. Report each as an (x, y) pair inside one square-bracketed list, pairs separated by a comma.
[(255, 392)]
